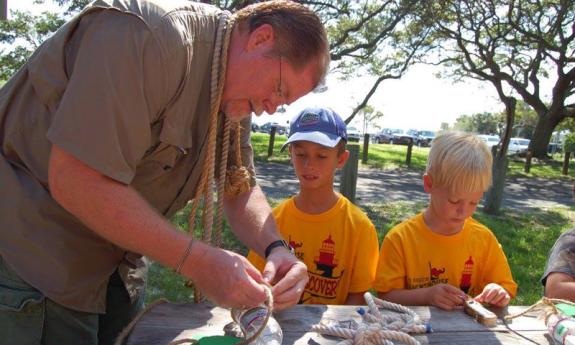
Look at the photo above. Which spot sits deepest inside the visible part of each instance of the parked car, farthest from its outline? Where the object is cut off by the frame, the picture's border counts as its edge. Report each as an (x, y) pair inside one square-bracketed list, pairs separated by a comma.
[(383, 136), (518, 145), (353, 134), (401, 137), (490, 140), (255, 127), (424, 138), (267, 128)]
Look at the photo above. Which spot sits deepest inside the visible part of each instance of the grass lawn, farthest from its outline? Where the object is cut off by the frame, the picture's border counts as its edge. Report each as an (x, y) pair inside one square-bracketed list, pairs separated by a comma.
[(385, 156), (526, 239)]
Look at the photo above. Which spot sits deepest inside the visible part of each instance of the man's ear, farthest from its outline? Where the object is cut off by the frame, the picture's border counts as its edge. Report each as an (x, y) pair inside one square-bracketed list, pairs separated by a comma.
[(262, 37), (427, 183), (342, 158)]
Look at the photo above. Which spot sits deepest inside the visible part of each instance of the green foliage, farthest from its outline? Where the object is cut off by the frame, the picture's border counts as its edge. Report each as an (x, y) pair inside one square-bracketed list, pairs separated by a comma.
[(481, 123), (569, 144), (23, 34)]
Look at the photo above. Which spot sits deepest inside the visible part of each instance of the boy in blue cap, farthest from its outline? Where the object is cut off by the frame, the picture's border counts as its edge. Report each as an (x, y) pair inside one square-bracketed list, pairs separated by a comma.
[(333, 237)]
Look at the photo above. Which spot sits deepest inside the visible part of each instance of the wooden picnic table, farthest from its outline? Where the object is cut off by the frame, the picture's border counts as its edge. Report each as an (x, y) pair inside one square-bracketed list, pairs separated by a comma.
[(168, 322)]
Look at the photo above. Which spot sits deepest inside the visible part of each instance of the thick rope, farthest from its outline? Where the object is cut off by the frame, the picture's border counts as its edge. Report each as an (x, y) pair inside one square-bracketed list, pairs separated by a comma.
[(222, 183), (545, 305), (205, 188), (377, 328), (238, 177)]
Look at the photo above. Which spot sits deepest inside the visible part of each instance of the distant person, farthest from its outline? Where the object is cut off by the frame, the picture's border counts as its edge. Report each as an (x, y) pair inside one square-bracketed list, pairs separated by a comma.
[(442, 255), (559, 277), (333, 237)]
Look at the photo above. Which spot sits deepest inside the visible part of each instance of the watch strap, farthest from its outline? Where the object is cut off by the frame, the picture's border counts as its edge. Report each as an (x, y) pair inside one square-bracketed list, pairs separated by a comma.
[(275, 244)]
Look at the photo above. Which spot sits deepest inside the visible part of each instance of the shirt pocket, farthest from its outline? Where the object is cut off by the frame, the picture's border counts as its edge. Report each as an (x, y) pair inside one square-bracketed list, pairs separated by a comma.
[(158, 161)]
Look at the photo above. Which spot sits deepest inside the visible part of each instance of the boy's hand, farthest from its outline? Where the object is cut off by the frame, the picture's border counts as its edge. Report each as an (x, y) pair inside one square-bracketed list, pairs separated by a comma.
[(288, 276), (493, 294), (444, 296)]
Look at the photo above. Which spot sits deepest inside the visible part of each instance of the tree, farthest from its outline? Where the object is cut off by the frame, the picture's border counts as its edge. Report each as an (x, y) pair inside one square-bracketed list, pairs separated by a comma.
[(482, 123), (515, 43), (369, 116)]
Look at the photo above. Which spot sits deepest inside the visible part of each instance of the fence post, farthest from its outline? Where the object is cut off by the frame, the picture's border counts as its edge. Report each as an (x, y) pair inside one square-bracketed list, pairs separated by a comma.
[(528, 161), (566, 162), (408, 156), (271, 143), (3, 9), (365, 148), (347, 183)]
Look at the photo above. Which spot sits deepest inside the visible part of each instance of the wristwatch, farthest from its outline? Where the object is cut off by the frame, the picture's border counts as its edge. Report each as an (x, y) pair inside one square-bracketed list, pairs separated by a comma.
[(275, 244)]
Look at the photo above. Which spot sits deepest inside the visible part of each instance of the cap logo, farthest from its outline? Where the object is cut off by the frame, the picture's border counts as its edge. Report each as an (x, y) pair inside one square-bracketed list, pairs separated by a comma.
[(309, 119)]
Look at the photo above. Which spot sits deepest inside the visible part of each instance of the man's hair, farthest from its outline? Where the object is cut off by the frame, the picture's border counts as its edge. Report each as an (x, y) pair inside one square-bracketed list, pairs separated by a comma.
[(461, 162), (299, 33)]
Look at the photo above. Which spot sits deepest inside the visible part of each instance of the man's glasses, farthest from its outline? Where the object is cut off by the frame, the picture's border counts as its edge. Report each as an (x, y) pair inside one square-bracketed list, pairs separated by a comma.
[(279, 91)]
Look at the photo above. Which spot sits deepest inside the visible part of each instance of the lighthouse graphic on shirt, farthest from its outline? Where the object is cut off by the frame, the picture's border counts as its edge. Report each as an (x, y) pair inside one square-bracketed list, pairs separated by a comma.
[(323, 281), (465, 284)]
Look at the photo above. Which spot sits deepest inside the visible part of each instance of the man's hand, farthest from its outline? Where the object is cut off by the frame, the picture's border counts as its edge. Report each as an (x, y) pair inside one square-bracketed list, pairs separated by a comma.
[(444, 296), (493, 294), (224, 277), (288, 276)]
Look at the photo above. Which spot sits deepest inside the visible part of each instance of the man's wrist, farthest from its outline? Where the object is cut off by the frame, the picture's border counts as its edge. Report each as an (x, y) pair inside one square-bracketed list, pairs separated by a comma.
[(277, 244)]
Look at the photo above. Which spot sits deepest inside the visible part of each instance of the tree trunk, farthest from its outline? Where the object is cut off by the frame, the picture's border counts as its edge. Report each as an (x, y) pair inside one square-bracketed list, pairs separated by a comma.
[(542, 135), (494, 195)]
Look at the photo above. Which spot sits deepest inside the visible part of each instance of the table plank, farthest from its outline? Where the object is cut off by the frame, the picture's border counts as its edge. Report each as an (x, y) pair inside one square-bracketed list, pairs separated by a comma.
[(168, 322)]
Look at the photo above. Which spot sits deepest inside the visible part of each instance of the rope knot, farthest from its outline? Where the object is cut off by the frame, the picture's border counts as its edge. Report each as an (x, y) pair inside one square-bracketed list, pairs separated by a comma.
[(237, 181)]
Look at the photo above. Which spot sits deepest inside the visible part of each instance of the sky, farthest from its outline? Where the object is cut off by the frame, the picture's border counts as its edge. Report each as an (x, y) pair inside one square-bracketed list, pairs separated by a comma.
[(418, 100)]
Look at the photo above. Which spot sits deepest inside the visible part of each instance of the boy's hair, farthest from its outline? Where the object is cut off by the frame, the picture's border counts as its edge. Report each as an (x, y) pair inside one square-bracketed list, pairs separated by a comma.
[(460, 161)]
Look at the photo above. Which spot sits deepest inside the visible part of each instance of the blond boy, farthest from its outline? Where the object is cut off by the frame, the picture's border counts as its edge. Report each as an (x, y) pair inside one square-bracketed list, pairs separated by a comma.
[(333, 237), (442, 255)]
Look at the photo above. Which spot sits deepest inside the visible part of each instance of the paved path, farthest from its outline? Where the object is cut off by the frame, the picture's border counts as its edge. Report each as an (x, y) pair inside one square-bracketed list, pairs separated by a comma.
[(278, 181)]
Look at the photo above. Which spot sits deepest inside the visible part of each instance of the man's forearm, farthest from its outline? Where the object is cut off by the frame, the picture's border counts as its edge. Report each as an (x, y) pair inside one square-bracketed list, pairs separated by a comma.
[(114, 211), (251, 219)]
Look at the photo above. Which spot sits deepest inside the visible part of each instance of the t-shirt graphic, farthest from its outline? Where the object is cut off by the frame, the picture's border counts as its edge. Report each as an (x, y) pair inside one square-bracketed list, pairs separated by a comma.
[(466, 275), (322, 282)]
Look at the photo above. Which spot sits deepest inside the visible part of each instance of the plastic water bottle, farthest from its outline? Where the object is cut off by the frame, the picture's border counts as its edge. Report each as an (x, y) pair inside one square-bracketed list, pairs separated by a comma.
[(562, 329), (250, 322)]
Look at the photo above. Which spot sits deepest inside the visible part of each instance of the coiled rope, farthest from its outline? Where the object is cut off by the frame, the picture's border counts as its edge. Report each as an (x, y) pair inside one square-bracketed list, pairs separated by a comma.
[(378, 328)]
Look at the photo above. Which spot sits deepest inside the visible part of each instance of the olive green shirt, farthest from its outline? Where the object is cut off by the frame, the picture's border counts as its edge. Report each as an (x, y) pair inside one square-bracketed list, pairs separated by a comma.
[(124, 88)]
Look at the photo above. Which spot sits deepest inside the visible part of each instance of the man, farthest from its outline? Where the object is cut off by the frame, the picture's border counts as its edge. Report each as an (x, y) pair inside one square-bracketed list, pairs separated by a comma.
[(105, 129)]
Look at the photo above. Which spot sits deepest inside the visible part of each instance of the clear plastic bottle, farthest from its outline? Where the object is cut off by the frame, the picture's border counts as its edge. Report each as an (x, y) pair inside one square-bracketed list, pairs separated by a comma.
[(562, 329), (251, 320)]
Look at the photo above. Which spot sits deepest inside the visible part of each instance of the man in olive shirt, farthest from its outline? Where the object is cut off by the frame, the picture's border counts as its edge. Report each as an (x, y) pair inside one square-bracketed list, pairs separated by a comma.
[(104, 134)]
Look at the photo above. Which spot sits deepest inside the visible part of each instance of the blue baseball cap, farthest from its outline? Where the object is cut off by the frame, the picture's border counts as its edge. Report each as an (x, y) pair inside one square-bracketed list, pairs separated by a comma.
[(319, 125)]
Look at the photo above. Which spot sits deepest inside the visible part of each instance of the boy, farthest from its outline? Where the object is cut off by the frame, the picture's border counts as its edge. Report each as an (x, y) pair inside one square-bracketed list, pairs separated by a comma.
[(333, 237), (559, 277), (442, 255)]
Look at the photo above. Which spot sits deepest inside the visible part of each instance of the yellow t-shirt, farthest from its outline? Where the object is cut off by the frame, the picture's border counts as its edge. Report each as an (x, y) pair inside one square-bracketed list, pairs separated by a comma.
[(412, 256), (339, 247)]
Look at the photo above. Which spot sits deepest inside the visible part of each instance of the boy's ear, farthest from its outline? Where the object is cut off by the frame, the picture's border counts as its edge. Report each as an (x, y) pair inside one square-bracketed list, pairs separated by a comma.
[(342, 158), (427, 183), (262, 37)]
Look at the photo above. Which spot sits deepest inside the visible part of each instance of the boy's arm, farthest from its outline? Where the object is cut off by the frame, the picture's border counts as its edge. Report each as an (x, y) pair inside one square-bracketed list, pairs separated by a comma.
[(560, 285), (355, 298), (443, 296), (499, 285)]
